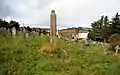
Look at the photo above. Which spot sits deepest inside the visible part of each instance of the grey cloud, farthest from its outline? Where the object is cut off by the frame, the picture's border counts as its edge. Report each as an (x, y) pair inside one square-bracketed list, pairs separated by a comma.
[(45, 3), (69, 12), (5, 9)]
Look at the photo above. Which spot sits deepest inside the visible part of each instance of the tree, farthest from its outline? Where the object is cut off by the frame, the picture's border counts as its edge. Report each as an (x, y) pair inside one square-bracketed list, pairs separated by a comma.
[(103, 28), (14, 24), (96, 32), (115, 26)]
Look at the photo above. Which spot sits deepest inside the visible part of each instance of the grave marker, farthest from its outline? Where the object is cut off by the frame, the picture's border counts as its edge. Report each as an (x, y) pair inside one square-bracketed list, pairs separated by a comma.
[(13, 32), (3, 31)]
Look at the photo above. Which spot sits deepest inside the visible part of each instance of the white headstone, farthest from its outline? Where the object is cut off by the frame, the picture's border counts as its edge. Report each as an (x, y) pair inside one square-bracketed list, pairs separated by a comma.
[(13, 32), (26, 35)]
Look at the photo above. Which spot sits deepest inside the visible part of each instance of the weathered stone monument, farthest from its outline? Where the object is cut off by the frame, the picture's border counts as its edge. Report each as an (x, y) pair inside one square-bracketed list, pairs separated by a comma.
[(53, 28)]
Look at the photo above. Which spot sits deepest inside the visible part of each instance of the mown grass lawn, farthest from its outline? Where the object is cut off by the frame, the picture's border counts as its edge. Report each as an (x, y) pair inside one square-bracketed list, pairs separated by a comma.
[(20, 57)]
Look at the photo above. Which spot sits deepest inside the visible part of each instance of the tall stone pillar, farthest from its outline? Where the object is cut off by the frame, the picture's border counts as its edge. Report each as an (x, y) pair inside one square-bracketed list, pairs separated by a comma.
[(53, 28)]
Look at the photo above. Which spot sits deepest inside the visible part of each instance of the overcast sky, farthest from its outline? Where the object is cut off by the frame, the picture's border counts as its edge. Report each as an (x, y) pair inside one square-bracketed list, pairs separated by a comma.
[(70, 13)]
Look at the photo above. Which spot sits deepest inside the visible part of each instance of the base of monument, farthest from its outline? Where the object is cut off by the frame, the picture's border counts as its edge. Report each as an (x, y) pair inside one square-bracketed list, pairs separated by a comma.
[(53, 40)]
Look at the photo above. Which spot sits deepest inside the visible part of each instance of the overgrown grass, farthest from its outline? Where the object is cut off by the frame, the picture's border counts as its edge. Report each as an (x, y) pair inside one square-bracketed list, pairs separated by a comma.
[(20, 57)]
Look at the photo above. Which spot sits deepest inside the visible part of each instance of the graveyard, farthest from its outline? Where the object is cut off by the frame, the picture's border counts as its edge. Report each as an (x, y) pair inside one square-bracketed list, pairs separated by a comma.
[(20, 57), (35, 51)]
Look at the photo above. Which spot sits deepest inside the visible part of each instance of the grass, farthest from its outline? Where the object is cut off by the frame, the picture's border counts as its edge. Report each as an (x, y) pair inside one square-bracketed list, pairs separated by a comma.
[(20, 57)]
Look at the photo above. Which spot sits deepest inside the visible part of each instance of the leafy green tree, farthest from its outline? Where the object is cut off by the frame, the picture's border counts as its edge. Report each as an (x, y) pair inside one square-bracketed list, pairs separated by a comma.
[(103, 28), (96, 32), (115, 26)]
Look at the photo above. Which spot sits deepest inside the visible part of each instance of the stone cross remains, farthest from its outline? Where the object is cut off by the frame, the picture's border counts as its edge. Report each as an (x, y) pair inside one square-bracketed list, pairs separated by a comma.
[(53, 28)]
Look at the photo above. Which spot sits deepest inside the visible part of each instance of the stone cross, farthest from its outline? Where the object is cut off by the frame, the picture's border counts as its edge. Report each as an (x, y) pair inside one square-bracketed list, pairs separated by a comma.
[(53, 28)]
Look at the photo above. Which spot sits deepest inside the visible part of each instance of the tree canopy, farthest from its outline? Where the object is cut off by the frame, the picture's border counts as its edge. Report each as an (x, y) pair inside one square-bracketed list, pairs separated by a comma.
[(10, 24), (104, 28)]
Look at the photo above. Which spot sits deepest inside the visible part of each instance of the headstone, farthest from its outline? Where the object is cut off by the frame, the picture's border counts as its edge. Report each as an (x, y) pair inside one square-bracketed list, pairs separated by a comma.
[(106, 46), (41, 34), (94, 43), (23, 30), (29, 33), (37, 33), (26, 35), (8, 31), (47, 34), (53, 29), (3, 31), (13, 32), (33, 33)]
